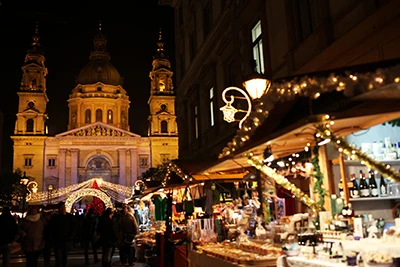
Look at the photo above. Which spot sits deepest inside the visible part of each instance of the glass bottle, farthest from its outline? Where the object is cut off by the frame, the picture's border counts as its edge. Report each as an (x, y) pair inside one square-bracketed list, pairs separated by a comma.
[(341, 192), (373, 187), (383, 187), (354, 191), (364, 189)]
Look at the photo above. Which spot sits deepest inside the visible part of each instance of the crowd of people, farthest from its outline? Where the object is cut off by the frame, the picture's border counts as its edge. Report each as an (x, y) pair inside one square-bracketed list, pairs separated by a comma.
[(39, 233)]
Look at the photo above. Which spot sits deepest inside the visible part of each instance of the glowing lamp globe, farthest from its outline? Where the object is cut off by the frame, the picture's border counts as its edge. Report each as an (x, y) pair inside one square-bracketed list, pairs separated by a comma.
[(257, 87)]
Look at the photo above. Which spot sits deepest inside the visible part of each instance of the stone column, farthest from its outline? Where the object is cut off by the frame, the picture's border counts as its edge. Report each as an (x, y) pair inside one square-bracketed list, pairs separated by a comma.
[(61, 167), (133, 152), (74, 166), (122, 166)]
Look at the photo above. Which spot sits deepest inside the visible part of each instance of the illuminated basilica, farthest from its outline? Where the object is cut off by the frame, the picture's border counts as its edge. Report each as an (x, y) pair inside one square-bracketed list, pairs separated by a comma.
[(98, 143)]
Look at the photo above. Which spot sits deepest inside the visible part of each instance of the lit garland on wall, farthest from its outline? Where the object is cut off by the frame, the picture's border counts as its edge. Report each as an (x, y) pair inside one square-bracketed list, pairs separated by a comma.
[(311, 87), (324, 132), (281, 180), (319, 178), (172, 167)]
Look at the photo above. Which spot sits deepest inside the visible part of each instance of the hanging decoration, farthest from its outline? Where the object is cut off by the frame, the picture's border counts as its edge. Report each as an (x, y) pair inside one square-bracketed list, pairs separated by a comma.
[(319, 178), (96, 204), (324, 132), (281, 180), (312, 87)]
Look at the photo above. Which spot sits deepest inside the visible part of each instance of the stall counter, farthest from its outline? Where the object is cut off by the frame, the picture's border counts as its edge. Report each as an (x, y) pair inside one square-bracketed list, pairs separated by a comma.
[(197, 259), (284, 261)]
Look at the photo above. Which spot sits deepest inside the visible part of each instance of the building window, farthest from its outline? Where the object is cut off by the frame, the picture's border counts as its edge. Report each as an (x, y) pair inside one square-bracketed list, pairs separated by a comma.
[(99, 115), (212, 122), (88, 115), (143, 161), (109, 116), (28, 160), (196, 122), (306, 17), (192, 45), (165, 158), (256, 40), (29, 125), (51, 162), (164, 126), (207, 17)]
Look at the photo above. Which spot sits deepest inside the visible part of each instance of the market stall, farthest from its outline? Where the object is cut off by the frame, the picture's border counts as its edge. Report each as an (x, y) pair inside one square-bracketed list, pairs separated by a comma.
[(321, 115)]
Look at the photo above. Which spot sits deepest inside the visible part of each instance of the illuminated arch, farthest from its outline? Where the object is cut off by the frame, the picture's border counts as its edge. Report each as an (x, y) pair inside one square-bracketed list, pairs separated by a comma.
[(87, 192)]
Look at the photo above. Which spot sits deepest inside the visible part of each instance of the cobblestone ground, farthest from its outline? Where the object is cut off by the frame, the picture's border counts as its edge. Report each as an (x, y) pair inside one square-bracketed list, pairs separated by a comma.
[(73, 261)]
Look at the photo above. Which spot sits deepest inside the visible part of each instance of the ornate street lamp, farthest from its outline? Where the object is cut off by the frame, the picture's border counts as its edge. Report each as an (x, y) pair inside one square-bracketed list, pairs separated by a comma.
[(256, 86), (24, 182), (29, 188)]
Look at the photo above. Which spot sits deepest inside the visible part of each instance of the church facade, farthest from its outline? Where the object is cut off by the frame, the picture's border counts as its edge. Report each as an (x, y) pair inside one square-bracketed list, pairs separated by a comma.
[(98, 143)]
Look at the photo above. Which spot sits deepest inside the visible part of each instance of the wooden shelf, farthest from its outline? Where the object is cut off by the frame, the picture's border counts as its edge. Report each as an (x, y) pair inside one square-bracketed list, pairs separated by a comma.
[(373, 198)]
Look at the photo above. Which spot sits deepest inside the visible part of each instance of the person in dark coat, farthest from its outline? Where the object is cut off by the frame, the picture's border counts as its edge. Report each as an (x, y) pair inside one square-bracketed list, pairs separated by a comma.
[(89, 234), (127, 231), (9, 230), (108, 236), (32, 227), (61, 233)]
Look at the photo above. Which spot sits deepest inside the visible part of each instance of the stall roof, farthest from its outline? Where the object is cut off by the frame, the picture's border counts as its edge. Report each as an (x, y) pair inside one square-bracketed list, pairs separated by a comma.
[(293, 138)]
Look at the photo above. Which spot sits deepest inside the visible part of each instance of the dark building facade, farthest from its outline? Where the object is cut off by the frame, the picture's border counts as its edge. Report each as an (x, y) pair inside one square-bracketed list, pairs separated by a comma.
[(217, 39)]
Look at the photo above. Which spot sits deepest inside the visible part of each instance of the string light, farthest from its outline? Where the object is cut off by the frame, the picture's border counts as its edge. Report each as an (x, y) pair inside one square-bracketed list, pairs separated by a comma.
[(122, 192), (311, 87), (281, 180), (87, 192), (172, 167)]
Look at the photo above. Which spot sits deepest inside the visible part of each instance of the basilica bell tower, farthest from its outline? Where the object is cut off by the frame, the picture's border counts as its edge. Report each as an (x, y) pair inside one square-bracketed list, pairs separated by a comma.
[(31, 116), (163, 128)]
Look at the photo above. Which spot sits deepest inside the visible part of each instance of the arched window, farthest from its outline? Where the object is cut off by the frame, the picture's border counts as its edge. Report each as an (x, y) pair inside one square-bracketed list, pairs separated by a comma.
[(164, 127), (88, 116), (99, 115), (29, 125), (109, 116)]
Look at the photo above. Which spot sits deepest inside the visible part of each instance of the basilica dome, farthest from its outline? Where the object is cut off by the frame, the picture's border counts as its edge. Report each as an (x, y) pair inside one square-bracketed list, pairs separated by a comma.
[(99, 70)]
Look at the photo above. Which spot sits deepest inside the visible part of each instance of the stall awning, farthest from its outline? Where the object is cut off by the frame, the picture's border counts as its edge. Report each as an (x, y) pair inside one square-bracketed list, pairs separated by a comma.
[(294, 137)]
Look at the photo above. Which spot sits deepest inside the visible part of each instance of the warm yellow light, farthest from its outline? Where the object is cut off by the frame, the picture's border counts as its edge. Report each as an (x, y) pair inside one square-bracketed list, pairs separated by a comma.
[(257, 87)]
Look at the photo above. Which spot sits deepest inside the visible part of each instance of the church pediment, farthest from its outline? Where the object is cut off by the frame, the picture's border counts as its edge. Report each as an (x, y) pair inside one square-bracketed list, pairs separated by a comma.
[(98, 129)]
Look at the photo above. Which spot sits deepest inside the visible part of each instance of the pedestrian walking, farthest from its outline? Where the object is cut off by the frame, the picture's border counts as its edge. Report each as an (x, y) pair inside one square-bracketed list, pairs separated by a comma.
[(89, 234), (127, 231), (61, 234), (9, 229), (108, 236), (32, 228)]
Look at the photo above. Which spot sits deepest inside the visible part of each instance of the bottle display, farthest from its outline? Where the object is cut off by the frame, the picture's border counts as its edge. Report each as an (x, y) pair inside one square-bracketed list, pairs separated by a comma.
[(354, 191), (383, 187), (364, 189), (373, 187)]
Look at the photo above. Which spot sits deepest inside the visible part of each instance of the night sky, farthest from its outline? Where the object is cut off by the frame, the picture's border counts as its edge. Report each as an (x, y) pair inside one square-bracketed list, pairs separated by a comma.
[(66, 29)]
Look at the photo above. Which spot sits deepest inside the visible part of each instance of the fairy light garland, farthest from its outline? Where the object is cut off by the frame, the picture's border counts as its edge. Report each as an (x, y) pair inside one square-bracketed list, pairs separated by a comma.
[(122, 192), (312, 87), (172, 167), (281, 180), (324, 132)]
